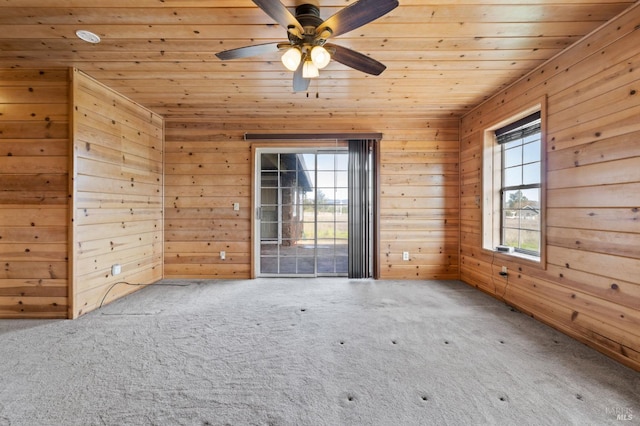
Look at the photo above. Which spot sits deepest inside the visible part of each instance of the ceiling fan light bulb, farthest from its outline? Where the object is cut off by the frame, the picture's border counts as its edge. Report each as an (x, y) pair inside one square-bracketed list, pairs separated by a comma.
[(291, 58), (309, 70), (320, 57)]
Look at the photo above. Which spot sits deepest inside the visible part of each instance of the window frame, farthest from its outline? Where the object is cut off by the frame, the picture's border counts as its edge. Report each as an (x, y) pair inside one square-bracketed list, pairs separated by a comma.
[(503, 147), (492, 170)]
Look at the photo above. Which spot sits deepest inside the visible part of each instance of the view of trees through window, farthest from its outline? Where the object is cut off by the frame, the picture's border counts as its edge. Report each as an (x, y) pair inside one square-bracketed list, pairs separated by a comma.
[(521, 219)]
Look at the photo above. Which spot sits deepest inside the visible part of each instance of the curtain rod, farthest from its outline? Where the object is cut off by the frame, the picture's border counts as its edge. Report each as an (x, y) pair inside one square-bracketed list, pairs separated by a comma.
[(311, 136)]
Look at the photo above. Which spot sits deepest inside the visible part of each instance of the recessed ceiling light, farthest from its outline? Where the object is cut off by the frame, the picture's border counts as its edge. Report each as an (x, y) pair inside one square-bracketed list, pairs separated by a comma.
[(88, 36)]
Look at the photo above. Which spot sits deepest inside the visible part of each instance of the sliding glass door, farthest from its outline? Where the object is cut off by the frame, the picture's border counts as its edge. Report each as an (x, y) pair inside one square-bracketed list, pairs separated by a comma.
[(302, 213)]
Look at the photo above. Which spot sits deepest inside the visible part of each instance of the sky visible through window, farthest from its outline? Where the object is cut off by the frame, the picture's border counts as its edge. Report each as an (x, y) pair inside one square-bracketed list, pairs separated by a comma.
[(331, 175)]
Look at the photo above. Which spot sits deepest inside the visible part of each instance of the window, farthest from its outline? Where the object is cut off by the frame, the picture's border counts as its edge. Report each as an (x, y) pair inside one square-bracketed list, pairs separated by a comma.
[(520, 189), (513, 188)]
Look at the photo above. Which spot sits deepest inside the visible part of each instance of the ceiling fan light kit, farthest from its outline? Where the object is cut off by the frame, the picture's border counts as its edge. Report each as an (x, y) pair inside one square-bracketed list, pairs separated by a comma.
[(307, 50), (320, 57), (310, 70), (291, 58)]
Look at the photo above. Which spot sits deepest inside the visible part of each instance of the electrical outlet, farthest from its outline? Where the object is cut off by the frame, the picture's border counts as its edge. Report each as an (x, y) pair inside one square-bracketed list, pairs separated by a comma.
[(116, 269), (223, 255), (405, 255), (236, 206)]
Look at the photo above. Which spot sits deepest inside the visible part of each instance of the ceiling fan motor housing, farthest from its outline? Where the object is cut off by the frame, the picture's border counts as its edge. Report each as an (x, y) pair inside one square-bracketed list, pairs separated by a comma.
[(309, 17)]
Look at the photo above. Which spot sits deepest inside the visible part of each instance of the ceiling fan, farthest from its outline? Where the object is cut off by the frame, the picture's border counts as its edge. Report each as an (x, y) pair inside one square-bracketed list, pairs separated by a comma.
[(307, 50)]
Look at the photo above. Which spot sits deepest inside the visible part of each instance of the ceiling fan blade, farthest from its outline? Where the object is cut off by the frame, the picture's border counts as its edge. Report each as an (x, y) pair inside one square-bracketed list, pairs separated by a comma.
[(280, 14), (355, 60), (356, 15), (245, 52), (300, 84)]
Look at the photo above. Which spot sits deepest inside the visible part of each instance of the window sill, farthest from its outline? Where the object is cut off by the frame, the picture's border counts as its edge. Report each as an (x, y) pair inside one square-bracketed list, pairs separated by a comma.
[(534, 261), (524, 256)]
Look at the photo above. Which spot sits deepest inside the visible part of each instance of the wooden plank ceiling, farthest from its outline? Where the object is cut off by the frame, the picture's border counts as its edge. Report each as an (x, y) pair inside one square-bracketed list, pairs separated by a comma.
[(442, 58)]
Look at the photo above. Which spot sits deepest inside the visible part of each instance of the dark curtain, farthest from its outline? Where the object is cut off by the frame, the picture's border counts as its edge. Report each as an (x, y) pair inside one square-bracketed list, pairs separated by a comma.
[(361, 183)]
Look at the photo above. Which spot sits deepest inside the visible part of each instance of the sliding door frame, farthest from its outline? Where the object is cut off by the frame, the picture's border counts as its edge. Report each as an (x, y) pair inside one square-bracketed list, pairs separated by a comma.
[(313, 142)]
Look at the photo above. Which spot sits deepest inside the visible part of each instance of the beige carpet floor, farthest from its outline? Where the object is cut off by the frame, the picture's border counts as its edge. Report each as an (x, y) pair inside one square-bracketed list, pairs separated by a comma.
[(307, 352)]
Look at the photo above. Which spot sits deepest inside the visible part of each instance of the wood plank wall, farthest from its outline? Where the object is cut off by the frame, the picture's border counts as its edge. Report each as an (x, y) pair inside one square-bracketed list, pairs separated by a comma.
[(419, 200), (590, 288), (118, 194), (34, 206), (208, 168)]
